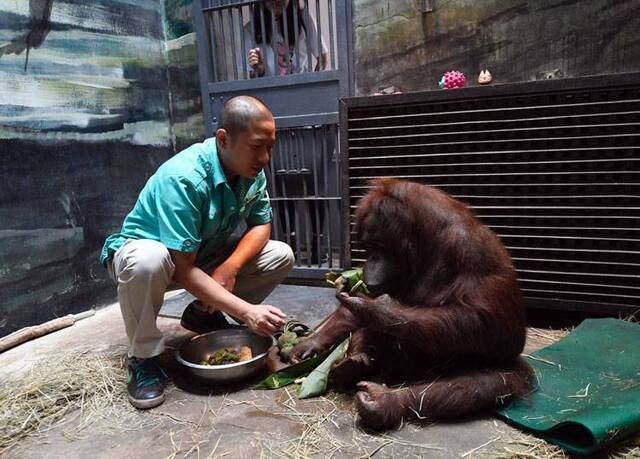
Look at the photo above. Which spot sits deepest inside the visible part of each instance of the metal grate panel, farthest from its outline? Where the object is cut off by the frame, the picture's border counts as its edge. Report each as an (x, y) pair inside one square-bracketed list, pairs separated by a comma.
[(304, 186), (553, 167)]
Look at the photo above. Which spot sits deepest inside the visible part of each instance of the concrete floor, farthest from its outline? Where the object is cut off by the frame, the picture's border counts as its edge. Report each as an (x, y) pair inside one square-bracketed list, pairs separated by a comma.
[(199, 421)]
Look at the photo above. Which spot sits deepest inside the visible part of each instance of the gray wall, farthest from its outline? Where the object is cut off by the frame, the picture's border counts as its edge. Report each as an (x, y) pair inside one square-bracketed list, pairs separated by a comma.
[(517, 40)]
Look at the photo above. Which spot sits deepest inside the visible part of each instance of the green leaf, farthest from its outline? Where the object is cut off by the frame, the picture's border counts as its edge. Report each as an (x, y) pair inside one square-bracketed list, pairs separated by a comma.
[(353, 276), (351, 272), (289, 374), (355, 288), (288, 338), (350, 279), (285, 352), (316, 383), (359, 288)]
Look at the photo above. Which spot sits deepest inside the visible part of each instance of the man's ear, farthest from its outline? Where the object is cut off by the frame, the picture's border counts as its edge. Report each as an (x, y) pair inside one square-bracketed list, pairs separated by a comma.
[(223, 137)]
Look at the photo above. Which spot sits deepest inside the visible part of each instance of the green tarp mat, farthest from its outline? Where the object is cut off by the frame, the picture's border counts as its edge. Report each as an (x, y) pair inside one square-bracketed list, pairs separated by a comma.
[(588, 393)]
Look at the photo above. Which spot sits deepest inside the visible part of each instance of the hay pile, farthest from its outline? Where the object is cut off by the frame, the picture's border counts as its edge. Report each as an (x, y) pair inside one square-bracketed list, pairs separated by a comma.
[(540, 337), (90, 386)]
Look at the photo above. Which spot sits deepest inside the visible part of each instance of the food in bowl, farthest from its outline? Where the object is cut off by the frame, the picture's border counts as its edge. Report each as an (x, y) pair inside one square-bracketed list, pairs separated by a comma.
[(200, 347), (228, 355), (245, 353)]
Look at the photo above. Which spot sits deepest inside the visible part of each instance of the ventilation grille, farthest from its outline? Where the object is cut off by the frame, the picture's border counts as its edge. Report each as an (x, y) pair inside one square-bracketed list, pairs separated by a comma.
[(552, 167)]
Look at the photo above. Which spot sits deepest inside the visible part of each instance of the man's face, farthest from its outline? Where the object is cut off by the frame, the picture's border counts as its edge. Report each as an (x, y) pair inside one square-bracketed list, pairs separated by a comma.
[(248, 152)]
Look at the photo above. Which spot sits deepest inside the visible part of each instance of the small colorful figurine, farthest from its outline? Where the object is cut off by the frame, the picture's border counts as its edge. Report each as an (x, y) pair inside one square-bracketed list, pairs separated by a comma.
[(452, 79)]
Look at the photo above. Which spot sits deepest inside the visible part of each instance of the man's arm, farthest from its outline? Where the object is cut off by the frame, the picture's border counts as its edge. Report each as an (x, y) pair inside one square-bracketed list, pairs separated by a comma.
[(251, 244), (262, 319)]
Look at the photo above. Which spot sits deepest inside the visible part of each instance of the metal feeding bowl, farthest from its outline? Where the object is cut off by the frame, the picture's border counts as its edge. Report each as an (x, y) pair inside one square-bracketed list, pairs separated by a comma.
[(200, 347)]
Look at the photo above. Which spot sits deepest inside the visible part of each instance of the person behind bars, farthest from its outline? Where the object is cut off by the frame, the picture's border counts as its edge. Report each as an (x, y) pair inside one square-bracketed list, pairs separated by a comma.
[(266, 50)]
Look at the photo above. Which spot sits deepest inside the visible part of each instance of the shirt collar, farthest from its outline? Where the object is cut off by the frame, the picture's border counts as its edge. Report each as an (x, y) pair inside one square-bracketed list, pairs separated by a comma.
[(217, 172)]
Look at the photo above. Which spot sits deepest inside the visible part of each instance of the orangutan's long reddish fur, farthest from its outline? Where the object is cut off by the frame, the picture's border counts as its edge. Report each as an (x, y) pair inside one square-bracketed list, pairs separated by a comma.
[(449, 323)]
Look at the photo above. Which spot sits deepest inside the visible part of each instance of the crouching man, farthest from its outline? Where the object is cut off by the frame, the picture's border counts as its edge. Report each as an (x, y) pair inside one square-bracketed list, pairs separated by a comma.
[(177, 235)]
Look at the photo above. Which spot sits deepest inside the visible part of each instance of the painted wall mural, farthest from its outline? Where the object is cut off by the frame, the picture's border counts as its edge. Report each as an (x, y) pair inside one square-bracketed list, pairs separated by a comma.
[(84, 121), (409, 44), (35, 33), (184, 81)]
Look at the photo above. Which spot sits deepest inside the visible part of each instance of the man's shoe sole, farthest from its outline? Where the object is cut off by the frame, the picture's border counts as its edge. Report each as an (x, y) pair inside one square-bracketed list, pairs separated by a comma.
[(146, 404), (202, 330), (192, 327)]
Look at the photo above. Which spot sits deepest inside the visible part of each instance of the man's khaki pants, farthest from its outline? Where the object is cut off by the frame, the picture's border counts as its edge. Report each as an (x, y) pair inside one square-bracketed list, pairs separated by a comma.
[(143, 270)]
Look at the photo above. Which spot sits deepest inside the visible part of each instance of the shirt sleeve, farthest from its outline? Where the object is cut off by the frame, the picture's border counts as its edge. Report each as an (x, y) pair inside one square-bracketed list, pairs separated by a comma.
[(261, 212), (179, 218)]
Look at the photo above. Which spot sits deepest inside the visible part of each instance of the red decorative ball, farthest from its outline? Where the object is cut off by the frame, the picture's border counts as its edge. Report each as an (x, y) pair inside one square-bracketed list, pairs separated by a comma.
[(454, 79)]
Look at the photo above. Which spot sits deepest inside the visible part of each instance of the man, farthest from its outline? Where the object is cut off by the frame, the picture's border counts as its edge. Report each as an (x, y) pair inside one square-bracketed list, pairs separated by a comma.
[(178, 233)]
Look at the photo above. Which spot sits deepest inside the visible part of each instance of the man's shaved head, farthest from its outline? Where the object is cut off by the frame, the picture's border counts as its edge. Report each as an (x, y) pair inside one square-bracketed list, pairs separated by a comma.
[(245, 137), (239, 112)]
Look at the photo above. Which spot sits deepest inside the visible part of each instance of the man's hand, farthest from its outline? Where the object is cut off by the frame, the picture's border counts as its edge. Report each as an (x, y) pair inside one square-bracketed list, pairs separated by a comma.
[(264, 319), (225, 275)]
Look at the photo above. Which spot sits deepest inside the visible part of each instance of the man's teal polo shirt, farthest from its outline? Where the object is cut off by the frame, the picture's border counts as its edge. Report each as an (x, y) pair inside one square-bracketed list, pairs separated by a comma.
[(189, 205)]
